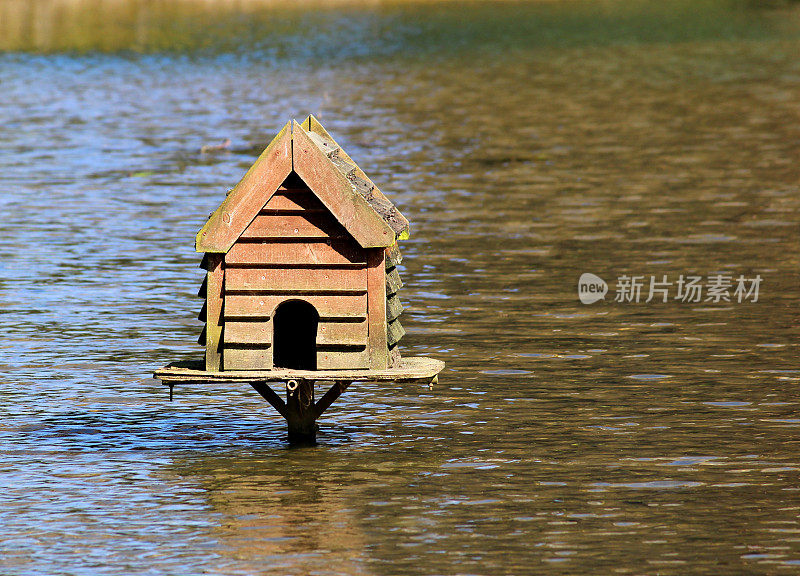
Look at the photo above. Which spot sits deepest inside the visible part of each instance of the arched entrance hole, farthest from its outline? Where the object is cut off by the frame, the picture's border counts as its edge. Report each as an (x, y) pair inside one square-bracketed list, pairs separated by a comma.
[(294, 335)]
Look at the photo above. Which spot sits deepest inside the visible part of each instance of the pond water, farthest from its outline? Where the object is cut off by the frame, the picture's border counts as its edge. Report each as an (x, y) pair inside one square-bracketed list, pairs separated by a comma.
[(527, 144)]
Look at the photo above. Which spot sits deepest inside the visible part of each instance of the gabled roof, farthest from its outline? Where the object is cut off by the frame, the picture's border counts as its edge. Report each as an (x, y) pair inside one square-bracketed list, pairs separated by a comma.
[(344, 189)]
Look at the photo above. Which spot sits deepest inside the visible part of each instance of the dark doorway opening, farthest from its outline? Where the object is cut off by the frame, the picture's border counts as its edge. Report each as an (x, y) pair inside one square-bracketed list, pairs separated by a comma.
[(294, 336)]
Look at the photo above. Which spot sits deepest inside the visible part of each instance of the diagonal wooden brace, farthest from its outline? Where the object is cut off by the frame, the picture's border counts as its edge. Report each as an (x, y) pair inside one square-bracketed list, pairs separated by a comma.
[(330, 396), (270, 396)]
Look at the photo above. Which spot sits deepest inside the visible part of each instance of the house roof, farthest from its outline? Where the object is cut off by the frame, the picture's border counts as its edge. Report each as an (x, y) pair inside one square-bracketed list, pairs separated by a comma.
[(344, 189)]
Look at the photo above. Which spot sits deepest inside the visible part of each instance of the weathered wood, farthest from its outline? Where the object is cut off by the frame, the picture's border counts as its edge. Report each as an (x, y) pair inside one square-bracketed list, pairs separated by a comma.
[(248, 197), (237, 332), (376, 310), (394, 357), (313, 225), (393, 282), (409, 369), (248, 358), (300, 279), (365, 187), (295, 253), (336, 193), (377, 200), (393, 256), (344, 165), (393, 307), (342, 359), (327, 145), (263, 306), (395, 333), (215, 280), (294, 200), (352, 333), (261, 332)]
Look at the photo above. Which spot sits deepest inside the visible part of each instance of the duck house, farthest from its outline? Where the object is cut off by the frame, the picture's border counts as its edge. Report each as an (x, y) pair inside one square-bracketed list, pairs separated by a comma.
[(301, 274)]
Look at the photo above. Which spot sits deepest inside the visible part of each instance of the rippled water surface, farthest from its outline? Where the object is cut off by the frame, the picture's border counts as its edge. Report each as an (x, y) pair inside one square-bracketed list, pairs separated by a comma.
[(527, 144)]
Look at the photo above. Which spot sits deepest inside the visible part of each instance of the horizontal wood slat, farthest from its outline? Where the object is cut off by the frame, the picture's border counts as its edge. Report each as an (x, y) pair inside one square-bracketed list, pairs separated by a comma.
[(295, 253), (342, 360), (294, 226), (328, 333), (248, 306), (254, 279), (247, 332), (342, 333), (247, 358), (295, 200)]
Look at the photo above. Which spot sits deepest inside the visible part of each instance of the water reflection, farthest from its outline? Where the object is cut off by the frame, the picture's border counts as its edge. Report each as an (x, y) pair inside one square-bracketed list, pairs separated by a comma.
[(278, 515)]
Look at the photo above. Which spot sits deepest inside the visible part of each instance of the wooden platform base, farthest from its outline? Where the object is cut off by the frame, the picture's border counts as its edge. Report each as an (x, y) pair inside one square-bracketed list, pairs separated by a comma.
[(410, 369), (300, 410)]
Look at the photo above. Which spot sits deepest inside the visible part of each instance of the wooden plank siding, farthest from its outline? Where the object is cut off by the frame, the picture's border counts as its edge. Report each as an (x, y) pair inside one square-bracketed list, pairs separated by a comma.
[(394, 308), (342, 359), (294, 249), (248, 358), (395, 332), (293, 199), (393, 282), (329, 357), (296, 280), (329, 332), (327, 306), (321, 253), (278, 225), (393, 257)]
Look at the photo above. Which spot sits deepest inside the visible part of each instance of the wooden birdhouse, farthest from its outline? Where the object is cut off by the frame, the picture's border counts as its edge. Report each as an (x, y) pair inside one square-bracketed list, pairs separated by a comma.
[(301, 282), (301, 263)]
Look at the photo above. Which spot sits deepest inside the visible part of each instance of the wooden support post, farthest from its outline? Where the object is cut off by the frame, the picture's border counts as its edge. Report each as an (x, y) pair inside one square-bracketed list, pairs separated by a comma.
[(214, 297), (376, 310), (300, 411)]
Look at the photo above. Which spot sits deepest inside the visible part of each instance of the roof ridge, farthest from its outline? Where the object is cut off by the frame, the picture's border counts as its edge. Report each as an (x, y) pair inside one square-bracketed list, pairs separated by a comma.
[(358, 180), (344, 189)]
